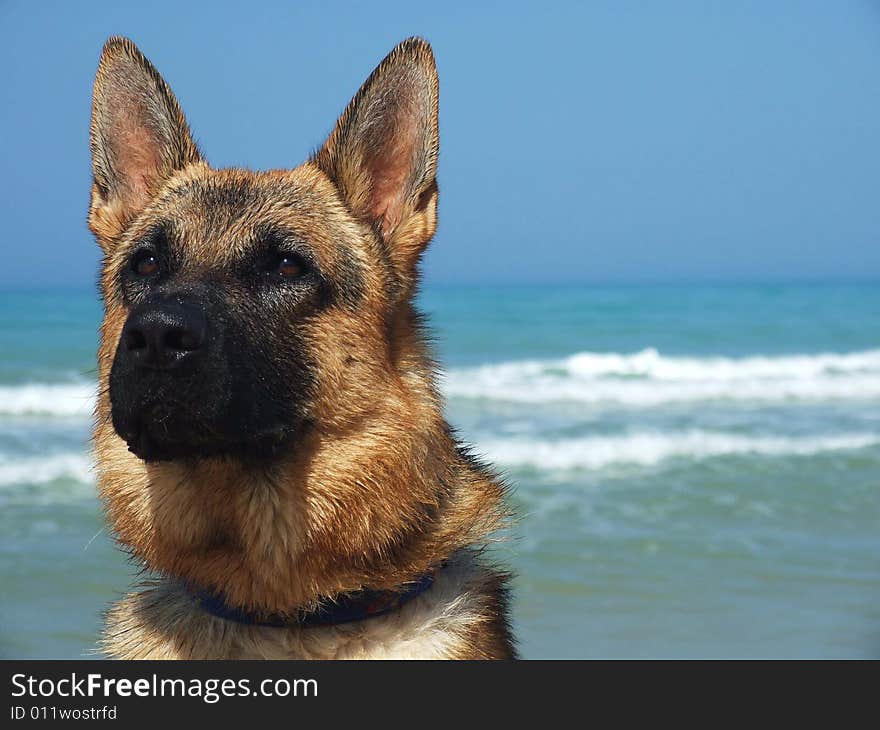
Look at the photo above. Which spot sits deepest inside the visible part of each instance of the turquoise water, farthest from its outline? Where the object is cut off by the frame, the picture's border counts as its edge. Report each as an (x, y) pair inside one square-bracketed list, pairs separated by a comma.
[(697, 469)]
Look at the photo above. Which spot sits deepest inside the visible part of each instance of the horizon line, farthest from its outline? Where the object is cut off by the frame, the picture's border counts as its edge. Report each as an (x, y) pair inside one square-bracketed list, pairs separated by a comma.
[(565, 283)]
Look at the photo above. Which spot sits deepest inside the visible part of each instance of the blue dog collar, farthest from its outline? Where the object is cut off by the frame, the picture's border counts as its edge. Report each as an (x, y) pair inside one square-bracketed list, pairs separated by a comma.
[(345, 608)]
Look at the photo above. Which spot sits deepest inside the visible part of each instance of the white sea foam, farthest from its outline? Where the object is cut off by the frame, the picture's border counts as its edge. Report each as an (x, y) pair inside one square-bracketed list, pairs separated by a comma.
[(641, 379), (590, 452), (648, 378), (43, 469), (648, 448), (53, 399)]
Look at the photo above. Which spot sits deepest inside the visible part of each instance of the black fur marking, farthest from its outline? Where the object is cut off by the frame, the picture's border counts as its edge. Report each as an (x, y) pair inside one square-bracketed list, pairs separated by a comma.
[(349, 284), (247, 393)]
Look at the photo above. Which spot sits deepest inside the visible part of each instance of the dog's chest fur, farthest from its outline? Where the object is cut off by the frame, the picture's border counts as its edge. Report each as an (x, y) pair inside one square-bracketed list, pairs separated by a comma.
[(452, 620)]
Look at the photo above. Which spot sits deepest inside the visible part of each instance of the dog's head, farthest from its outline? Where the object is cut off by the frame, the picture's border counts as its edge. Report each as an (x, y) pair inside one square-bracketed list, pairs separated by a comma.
[(242, 308)]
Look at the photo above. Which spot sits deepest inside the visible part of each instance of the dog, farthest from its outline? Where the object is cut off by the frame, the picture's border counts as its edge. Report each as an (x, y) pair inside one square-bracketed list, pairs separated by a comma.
[(269, 438)]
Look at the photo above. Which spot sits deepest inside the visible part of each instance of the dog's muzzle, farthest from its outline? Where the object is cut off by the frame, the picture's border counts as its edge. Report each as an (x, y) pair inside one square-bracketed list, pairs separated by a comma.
[(190, 380)]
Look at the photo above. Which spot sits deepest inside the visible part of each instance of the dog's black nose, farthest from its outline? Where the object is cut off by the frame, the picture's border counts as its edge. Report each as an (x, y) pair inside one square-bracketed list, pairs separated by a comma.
[(163, 336)]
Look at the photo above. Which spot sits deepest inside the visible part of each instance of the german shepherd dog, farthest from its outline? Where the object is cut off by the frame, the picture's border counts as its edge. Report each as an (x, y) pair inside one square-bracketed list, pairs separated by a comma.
[(269, 438)]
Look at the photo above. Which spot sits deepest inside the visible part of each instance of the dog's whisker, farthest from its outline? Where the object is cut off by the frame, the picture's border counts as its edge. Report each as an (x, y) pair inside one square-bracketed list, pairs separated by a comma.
[(94, 537)]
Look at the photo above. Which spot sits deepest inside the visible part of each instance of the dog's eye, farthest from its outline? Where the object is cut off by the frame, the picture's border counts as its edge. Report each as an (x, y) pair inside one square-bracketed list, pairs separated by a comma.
[(290, 267), (277, 265), (287, 266), (145, 263)]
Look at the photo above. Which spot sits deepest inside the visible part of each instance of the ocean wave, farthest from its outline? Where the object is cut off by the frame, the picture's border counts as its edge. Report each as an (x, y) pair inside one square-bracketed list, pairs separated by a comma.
[(647, 378), (649, 449), (76, 466), (52, 399), (641, 379), (585, 453)]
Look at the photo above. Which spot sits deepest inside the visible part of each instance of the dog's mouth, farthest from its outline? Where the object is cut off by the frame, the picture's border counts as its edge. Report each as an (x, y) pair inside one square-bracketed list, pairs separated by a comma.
[(153, 441), (161, 427)]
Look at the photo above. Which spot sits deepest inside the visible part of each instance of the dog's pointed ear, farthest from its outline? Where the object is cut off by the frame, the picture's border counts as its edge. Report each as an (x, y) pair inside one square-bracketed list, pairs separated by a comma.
[(139, 137), (382, 155)]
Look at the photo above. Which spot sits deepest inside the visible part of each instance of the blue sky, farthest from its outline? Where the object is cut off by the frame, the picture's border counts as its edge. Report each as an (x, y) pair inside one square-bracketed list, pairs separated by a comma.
[(599, 142)]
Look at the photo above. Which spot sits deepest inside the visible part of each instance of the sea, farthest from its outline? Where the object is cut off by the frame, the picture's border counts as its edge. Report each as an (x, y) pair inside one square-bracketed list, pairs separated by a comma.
[(695, 470)]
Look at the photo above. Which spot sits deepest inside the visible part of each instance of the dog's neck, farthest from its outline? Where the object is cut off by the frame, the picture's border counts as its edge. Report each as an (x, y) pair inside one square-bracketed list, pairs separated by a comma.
[(452, 619)]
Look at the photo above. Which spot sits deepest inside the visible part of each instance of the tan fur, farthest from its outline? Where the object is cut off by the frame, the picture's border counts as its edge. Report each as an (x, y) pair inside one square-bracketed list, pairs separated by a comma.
[(378, 492)]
